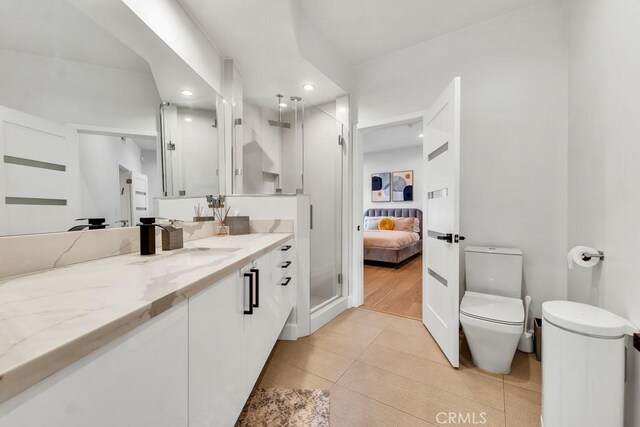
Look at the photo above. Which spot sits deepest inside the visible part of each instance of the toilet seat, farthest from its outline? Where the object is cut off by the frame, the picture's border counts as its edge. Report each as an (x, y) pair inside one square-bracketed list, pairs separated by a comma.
[(492, 308)]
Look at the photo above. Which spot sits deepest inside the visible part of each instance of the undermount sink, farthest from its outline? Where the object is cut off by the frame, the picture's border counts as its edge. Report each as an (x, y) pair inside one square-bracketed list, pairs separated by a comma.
[(207, 250)]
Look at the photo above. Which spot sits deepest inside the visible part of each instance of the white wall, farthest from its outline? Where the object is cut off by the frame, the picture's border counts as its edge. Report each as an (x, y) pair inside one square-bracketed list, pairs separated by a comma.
[(604, 150), (73, 92), (100, 158), (408, 158), (514, 129), (169, 20)]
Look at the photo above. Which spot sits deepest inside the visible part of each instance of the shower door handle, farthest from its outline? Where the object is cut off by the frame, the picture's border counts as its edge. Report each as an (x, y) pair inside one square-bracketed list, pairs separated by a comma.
[(311, 217)]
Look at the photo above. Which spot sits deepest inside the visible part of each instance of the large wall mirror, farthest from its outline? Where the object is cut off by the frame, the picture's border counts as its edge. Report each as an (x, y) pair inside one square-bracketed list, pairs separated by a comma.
[(95, 125)]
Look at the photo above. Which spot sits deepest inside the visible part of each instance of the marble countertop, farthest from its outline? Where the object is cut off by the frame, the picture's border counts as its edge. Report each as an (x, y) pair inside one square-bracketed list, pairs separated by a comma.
[(52, 318)]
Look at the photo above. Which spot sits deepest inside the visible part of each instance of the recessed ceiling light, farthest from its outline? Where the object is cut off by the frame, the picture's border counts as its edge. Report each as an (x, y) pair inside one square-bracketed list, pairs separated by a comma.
[(421, 135), (342, 109), (308, 86), (188, 119), (282, 105), (187, 92)]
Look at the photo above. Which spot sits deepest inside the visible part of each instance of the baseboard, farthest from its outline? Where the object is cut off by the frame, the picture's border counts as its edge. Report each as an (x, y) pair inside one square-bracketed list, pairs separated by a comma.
[(326, 314), (289, 332)]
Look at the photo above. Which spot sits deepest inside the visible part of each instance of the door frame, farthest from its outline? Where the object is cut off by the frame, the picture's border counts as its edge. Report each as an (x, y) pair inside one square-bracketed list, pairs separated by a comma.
[(356, 294)]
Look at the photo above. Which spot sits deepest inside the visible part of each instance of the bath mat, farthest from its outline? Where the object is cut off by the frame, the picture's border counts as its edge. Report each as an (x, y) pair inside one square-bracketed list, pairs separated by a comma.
[(283, 407)]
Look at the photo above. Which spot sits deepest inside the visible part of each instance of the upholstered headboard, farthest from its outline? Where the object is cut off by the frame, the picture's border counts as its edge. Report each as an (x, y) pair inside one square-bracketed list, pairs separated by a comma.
[(400, 213)]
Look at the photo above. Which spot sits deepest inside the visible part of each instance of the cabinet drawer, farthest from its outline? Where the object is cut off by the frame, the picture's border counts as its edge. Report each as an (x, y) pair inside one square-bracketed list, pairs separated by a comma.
[(284, 267), (287, 251)]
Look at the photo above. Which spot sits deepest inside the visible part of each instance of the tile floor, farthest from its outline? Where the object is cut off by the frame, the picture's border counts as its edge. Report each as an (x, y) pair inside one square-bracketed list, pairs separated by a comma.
[(385, 370)]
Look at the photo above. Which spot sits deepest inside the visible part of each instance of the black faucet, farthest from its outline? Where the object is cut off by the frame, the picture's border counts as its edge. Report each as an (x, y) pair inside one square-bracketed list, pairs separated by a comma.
[(148, 235), (94, 224)]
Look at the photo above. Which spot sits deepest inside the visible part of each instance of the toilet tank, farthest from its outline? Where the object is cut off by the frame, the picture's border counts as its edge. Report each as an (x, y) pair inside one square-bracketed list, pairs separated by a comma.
[(495, 271)]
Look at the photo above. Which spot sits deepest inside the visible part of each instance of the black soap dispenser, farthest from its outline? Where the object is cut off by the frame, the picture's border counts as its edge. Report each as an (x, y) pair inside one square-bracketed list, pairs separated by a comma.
[(147, 236)]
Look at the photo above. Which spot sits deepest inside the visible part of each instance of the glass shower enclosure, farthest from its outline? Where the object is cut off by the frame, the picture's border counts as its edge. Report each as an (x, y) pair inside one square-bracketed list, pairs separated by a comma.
[(287, 145)]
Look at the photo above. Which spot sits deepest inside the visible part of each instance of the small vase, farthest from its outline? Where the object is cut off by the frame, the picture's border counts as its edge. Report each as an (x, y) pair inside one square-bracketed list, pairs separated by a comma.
[(223, 230)]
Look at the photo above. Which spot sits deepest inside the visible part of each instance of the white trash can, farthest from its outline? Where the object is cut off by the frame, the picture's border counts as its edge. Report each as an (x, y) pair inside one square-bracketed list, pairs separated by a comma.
[(583, 365)]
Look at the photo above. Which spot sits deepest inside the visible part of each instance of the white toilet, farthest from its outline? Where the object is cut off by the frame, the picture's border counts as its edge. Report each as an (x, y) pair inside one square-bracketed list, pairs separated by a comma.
[(491, 311)]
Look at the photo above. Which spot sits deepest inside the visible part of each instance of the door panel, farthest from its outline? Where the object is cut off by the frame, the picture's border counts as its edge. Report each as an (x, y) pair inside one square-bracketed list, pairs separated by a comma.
[(441, 263), (139, 196), (39, 174)]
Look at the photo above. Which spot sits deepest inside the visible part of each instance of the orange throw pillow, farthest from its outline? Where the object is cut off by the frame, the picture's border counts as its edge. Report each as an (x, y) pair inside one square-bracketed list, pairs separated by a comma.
[(385, 224)]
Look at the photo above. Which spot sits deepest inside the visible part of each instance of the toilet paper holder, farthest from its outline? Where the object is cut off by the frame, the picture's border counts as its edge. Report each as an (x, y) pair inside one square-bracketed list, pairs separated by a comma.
[(586, 256)]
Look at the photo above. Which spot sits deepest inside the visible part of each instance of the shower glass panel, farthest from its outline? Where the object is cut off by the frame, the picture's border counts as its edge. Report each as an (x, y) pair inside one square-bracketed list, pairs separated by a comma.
[(290, 146), (191, 143), (323, 182), (265, 155)]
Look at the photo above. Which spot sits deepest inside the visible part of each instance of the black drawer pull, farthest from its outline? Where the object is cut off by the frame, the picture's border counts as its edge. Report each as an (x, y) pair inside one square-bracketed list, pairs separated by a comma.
[(285, 248), (257, 295), (286, 281), (285, 264), (250, 276)]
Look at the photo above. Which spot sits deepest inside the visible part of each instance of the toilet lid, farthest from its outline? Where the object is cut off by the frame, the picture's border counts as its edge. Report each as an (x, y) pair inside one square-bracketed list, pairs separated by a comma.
[(493, 308)]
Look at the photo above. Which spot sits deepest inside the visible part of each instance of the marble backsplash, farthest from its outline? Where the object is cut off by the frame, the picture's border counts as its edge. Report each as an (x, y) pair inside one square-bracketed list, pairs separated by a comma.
[(36, 252)]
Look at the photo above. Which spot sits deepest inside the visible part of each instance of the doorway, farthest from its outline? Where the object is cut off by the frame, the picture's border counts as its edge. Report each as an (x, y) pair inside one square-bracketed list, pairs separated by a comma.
[(124, 176), (392, 177), (441, 201)]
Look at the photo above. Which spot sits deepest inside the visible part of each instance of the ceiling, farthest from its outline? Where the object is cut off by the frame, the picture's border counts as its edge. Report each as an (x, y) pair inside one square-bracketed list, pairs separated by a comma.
[(364, 29), (56, 29), (261, 38), (393, 137)]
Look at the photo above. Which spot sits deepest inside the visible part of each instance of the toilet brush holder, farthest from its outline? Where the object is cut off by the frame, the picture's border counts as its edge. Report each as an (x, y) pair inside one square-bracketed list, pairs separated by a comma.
[(525, 344)]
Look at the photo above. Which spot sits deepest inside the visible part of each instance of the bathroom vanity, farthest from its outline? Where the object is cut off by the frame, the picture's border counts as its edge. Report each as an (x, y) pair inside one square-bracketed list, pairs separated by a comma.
[(175, 339)]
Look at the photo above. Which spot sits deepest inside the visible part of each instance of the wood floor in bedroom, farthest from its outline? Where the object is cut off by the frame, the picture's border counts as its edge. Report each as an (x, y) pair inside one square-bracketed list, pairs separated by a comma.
[(395, 290), (383, 370)]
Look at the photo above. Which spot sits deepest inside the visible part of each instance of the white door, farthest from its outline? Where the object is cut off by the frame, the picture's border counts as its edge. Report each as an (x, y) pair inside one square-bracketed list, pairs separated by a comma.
[(139, 197), (39, 174), (441, 275)]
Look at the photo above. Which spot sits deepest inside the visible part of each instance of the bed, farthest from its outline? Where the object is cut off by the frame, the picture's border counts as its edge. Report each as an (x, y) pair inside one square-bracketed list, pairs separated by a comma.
[(392, 247)]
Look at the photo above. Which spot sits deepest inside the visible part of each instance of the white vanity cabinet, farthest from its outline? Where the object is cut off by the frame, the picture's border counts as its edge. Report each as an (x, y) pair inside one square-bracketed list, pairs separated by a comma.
[(140, 379), (229, 342), (193, 365), (218, 380)]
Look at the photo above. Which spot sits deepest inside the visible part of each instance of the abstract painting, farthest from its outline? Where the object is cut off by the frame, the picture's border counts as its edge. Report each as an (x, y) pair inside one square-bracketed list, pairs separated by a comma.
[(402, 186), (381, 187)]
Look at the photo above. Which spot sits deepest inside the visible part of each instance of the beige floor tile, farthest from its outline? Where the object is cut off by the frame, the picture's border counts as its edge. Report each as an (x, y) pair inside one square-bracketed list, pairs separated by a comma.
[(278, 374), (411, 336), (465, 383), (526, 372), (313, 359), (415, 398), (352, 409), (374, 318), (526, 405), (348, 346), (353, 325), (514, 420)]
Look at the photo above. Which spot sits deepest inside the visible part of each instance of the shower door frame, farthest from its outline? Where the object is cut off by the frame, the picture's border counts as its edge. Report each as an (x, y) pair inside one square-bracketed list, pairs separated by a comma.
[(330, 309)]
